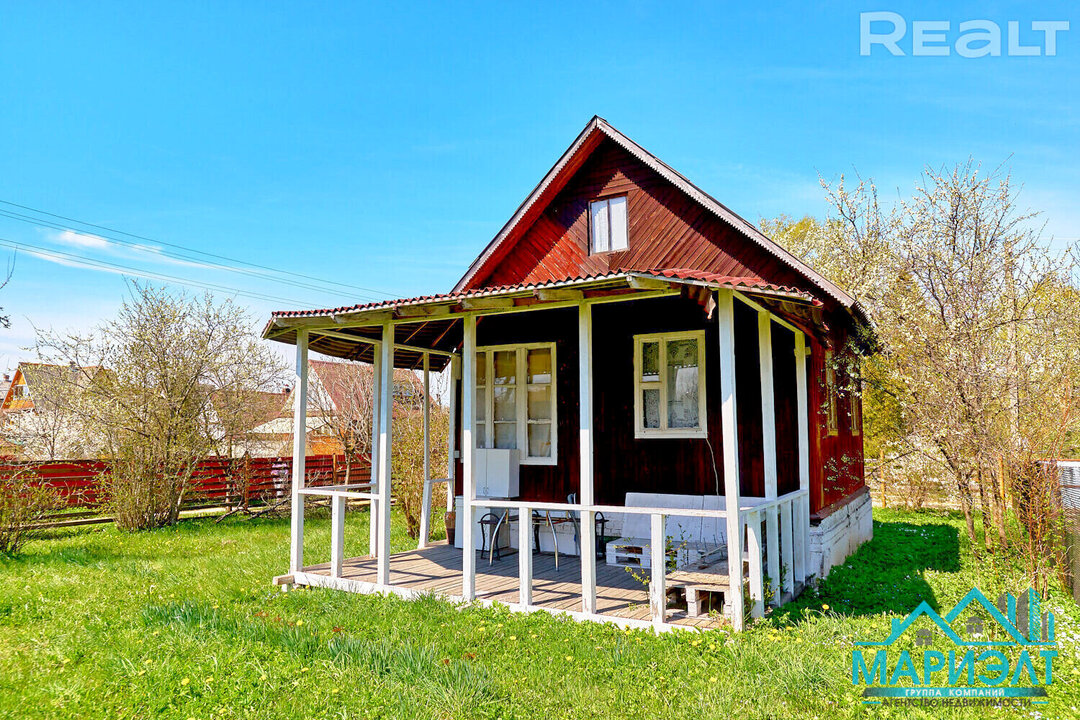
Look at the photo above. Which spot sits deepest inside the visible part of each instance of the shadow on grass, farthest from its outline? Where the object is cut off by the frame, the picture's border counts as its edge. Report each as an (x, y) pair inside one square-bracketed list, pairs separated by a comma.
[(885, 574)]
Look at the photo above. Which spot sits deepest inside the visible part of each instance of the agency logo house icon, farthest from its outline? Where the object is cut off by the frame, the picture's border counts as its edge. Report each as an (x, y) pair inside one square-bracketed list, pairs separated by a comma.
[(1003, 650)]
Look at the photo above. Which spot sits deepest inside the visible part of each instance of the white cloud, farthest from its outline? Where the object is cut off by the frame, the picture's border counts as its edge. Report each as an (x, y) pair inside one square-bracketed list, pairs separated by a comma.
[(79, 240)]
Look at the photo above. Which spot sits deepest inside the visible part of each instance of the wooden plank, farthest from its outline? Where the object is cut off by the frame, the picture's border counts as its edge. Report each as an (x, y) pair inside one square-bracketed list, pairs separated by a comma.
[(787, 549), (801, 516), (753, 549), (386, 414), (587, 528), (729, 414), (466, 525), (337, 535), (300, 396)]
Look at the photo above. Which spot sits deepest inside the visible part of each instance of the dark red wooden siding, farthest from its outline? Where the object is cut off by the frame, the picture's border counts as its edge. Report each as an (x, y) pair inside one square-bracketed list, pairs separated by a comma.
[(667, 229)]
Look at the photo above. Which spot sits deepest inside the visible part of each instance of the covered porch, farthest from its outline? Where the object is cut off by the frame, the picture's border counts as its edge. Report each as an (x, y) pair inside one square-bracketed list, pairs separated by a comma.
[(768, 531)]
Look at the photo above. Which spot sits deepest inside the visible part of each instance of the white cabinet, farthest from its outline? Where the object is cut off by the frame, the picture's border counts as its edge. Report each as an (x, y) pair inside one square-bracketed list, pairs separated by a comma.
[(496, 472)]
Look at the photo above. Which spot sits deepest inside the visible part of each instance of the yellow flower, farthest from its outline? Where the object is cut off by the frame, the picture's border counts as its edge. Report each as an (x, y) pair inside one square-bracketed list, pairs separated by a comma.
[(513, 637), (334, 691), (209, 678), (569, 658), (304, 669), (824, 607), (263, 678), (712, 679), (185, 681), (299, 623), (147, 661)]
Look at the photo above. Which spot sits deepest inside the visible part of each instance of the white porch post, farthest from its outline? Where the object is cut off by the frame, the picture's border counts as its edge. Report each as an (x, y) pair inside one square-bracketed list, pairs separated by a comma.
[(386, 415), (373, 504), (586, 495), (466, 525), (729, 422), (801, 510), (451, 444), (768, 450), (300, 392), (337, 535), (657, 569), (425, 507)]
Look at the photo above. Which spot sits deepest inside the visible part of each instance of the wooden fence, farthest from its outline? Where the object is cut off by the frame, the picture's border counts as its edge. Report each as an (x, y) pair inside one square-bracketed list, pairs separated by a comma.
[(216, 482)]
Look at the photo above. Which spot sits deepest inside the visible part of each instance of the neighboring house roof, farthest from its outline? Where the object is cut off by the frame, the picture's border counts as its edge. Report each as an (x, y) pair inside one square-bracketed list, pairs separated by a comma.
[(37, 376), (571, 161), (336, 380)]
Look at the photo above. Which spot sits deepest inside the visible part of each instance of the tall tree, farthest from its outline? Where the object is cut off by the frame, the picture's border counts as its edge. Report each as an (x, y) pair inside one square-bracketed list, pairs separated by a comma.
[(166, 354)]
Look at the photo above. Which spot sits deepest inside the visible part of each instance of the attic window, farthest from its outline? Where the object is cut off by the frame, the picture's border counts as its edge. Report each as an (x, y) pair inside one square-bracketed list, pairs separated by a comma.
[(607, 226)]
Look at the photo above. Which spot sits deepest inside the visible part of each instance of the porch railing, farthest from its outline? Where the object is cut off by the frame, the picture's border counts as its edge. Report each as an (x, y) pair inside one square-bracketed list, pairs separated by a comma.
[(776, 532)]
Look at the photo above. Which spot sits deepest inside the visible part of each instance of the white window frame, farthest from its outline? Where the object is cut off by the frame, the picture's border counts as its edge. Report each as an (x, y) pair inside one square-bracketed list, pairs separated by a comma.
[(606, 202), (521, 395), (642, 432)]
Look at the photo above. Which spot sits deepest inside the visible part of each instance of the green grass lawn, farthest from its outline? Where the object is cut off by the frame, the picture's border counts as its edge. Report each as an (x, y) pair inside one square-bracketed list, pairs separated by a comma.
[(183, 623)]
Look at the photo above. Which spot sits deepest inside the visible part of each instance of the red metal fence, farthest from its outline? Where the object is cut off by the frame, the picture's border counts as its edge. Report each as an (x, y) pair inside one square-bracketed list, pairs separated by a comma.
[(217, 481)]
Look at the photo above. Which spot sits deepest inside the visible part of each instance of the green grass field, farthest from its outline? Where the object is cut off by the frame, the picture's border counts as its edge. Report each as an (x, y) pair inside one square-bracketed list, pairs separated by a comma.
[(183, 623)]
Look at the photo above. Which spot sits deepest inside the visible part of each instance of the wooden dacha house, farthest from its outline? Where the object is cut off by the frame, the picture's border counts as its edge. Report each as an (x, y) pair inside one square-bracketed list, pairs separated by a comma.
[(640, 378)]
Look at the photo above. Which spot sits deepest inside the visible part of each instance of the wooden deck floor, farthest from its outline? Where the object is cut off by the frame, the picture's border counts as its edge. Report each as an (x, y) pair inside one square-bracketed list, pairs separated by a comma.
[(437, 569)]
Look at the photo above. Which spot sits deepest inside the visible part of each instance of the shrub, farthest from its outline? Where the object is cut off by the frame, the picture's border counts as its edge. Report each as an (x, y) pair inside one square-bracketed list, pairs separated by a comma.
[(24, 503)]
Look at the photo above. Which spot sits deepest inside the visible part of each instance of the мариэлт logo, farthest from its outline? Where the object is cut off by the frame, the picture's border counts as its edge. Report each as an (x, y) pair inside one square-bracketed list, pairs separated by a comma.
[(999, 652)]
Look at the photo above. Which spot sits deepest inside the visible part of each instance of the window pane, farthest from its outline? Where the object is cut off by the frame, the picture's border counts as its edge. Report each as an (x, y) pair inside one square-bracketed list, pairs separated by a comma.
[(481, 436), (599, 226), (540, 403), (481, 368), (540, 365), (617, 212), (506, 367), (481, 405), (505, 403), (540, 440), (652, 408), (682, 383), (650, 362), (506, 435)]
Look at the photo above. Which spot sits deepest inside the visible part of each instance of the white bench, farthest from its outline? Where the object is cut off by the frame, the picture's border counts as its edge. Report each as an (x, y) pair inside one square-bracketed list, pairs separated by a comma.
[(690, 538)]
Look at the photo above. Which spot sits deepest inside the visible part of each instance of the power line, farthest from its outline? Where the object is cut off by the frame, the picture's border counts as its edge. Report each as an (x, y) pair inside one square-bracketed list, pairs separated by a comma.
[(177, 256), (178, 246), (82, 261)]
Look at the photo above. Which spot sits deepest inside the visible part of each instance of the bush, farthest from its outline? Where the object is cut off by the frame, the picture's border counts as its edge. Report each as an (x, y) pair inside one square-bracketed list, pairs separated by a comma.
[(23, 505)]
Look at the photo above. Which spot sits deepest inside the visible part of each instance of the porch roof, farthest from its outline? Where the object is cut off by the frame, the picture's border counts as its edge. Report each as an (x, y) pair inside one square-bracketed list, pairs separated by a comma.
[(432, 323)]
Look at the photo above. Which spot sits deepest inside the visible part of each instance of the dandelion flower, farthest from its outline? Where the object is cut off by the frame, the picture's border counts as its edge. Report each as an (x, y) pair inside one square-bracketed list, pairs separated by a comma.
[(299, 623), (185, 681), (569, 658), (824, 607)]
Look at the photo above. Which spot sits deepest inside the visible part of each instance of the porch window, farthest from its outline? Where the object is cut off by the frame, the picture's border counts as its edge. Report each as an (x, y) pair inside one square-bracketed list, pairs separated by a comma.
[(607, 225), (515, 400), (669, 385)]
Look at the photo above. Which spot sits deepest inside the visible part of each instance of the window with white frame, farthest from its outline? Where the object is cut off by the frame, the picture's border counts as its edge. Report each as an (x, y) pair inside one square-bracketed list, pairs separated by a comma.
[(515, 400), (607, 225), (669, 385)]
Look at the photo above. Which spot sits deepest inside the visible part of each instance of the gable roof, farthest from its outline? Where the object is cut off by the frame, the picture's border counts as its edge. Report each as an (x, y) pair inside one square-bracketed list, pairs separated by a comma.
[(560, 174), (44, 375)]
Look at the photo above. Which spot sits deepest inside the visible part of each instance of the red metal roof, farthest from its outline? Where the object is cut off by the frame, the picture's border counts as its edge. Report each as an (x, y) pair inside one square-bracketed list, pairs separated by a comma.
[(712, 279)]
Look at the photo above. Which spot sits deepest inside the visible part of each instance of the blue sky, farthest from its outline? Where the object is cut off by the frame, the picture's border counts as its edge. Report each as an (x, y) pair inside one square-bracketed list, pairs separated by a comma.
[(383, 147)]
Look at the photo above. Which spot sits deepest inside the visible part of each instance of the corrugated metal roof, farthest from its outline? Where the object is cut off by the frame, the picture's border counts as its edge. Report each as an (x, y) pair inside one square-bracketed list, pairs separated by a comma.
[(721, 281)]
